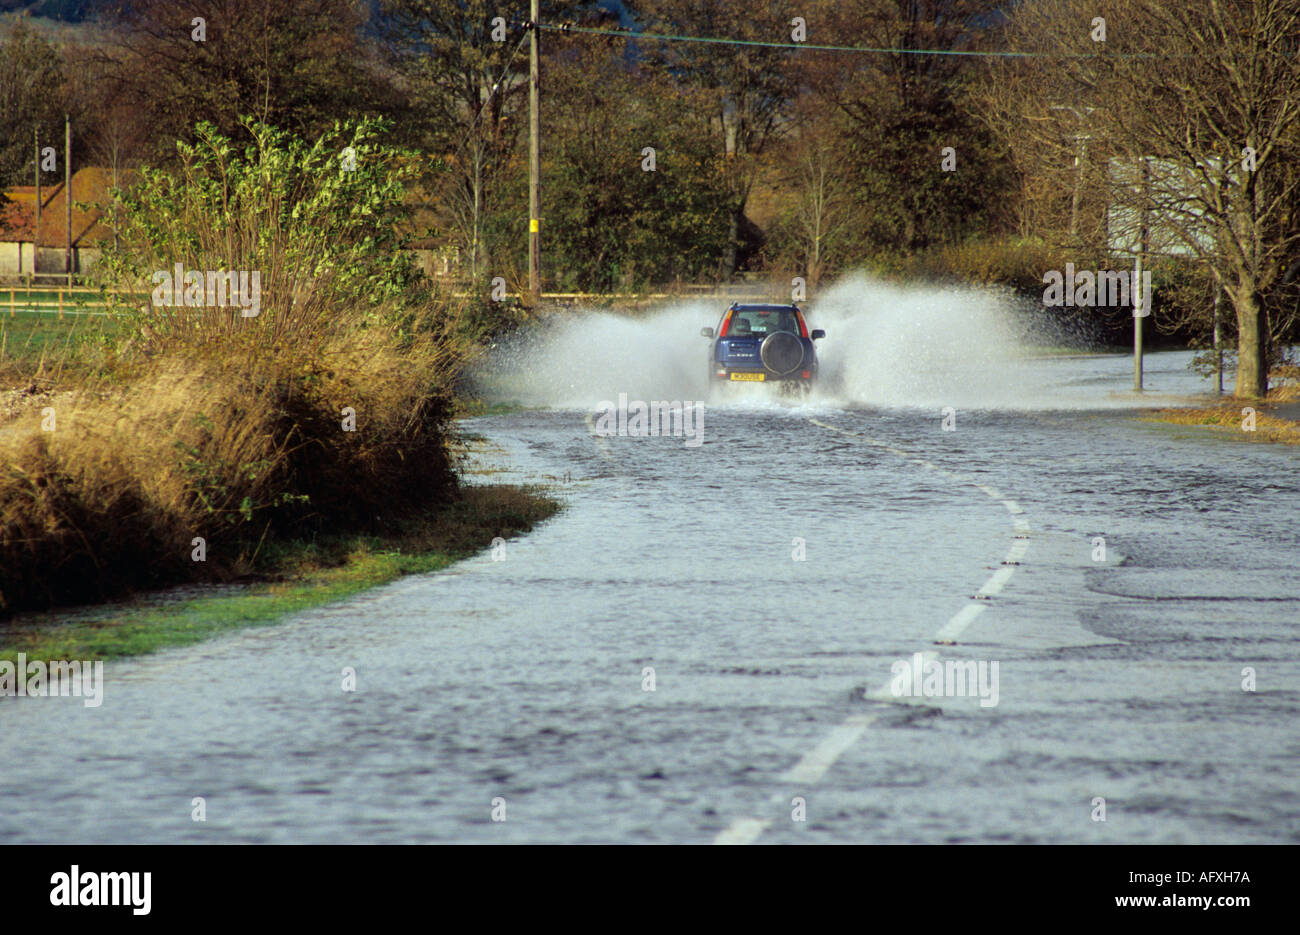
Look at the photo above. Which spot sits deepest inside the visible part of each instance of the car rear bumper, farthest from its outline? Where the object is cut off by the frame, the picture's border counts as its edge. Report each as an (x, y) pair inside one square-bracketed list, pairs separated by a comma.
[(759, 375)]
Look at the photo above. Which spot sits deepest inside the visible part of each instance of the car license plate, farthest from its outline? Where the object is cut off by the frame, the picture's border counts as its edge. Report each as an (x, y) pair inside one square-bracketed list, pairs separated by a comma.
[(750, 377)]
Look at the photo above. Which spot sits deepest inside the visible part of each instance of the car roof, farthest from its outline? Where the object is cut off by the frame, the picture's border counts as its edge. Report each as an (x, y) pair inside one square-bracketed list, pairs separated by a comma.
[(736, 306)]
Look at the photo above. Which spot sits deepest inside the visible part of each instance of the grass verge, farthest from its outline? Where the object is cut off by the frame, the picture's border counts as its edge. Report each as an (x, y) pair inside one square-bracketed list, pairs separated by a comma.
[(293, 575), (1228, 419), (45, 344)]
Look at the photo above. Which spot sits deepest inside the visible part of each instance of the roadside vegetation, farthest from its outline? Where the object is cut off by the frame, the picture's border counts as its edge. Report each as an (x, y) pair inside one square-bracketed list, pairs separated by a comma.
[(292, 575), (34, 344), (1275, 419), (196, 443)]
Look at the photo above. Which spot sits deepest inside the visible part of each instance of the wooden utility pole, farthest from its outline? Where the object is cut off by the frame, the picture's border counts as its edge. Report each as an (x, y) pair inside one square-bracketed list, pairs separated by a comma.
[(534, 169), (36, 236), (67, 186)]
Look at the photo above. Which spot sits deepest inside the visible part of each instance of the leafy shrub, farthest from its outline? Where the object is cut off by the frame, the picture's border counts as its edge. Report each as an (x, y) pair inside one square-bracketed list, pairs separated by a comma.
[(209, 424)]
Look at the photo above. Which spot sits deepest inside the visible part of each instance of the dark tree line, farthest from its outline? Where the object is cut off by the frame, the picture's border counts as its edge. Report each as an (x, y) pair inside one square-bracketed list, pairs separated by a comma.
[(677, 160)]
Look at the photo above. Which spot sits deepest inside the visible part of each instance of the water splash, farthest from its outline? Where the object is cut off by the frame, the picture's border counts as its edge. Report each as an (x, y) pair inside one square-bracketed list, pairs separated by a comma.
[(923, 346), (577, 359), (886, 346)]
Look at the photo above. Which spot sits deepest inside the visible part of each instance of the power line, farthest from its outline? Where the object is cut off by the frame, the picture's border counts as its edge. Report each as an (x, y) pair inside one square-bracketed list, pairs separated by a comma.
[(795, 46)]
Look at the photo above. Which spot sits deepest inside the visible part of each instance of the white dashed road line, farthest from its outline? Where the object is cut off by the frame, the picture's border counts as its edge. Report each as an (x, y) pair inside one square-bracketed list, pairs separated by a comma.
[(602, 444), (817, 761), (742, 831), (820, 758)]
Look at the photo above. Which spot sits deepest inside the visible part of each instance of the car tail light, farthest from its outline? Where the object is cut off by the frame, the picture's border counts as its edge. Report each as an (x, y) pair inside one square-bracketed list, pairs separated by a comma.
[(726, 323), (806, 374), (722, 374)]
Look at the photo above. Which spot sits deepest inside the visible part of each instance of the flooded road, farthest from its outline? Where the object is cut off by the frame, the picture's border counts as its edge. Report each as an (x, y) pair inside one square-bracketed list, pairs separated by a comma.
[(520, 686)]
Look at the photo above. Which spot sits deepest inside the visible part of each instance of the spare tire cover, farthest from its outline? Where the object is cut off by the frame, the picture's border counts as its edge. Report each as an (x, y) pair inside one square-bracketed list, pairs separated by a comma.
[(782, 352)]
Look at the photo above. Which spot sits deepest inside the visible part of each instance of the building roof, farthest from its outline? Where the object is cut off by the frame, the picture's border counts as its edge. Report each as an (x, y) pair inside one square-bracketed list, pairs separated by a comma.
[(90, 187)]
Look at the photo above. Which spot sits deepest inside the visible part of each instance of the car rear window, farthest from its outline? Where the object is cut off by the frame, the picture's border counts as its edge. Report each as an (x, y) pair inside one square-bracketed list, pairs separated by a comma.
[(762, 322)]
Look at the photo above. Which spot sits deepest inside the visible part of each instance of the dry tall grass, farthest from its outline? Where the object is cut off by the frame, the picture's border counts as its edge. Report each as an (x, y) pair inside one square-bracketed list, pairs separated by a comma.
[(327, 411), (230, 446)]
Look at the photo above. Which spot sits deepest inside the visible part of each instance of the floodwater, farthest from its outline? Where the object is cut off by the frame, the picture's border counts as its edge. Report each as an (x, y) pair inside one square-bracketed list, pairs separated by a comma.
[(774, 578)]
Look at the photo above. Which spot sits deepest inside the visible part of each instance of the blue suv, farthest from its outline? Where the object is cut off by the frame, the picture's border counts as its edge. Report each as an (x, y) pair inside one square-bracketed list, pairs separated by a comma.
[(763, 344)]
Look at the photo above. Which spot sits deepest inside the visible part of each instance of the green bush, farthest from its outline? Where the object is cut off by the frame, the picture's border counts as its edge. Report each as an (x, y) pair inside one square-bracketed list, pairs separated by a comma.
[(328, 411)]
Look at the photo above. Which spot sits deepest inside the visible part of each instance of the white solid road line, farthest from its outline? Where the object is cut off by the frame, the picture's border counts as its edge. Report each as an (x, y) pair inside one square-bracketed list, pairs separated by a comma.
[(822, 757)]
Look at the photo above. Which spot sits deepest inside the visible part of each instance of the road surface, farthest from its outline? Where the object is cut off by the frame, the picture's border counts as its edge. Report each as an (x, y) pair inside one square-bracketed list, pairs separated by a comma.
[(518, 688)]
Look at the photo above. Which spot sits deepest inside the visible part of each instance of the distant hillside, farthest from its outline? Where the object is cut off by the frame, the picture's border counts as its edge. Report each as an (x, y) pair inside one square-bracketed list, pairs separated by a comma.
[(67, 11), (78, 11), (59, 21)]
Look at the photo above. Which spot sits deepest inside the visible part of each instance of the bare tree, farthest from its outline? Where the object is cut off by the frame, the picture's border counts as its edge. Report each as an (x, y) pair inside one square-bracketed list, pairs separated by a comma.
[(902, 103), (31, 95), (750, 86), (296, 64), (1203, 99), (815, 179), (461, 64)]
